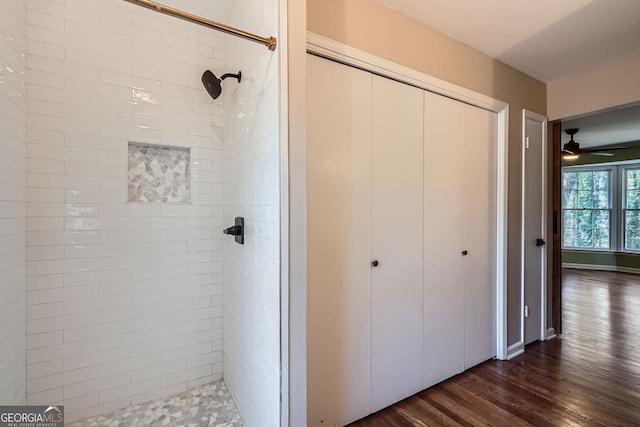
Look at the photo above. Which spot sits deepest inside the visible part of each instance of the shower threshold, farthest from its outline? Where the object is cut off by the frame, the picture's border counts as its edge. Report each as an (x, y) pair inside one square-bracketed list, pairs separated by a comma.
[(206, 405)]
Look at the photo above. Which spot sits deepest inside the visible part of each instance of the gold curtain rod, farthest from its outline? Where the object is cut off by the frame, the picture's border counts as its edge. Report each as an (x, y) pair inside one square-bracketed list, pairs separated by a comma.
[(270, 42)]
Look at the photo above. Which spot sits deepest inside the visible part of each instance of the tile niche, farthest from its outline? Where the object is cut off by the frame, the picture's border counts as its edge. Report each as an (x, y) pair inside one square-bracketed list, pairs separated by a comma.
[(158, 174)]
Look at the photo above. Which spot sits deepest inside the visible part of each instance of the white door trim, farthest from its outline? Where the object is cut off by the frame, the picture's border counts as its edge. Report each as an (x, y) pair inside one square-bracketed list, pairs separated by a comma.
[(526, 114), (283, 59), (292, 51), (330, 49)]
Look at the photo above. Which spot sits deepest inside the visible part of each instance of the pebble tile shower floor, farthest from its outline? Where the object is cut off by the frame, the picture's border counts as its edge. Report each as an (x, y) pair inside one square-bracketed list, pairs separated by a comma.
[(207, 405)]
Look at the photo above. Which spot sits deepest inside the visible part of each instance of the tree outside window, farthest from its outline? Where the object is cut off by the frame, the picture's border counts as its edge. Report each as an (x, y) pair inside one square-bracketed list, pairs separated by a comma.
[(586, 209)]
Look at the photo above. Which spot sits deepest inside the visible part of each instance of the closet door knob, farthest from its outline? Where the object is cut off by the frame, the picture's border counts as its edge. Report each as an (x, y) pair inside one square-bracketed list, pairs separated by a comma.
[(375, 263), (465, 252)]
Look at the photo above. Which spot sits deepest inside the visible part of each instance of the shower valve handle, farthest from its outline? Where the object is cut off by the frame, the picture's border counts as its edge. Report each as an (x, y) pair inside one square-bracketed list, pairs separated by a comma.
[(234, 230)]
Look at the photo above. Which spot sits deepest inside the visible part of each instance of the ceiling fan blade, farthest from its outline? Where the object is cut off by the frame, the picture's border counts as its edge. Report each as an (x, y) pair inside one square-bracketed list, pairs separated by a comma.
[(603, 149), (568, 155), (599, 153)]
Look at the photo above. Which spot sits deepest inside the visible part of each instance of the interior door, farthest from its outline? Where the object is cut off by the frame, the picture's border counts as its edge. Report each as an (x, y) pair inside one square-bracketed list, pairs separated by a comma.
[(397, 289), (445, 182), (534, 233), (339, 243)]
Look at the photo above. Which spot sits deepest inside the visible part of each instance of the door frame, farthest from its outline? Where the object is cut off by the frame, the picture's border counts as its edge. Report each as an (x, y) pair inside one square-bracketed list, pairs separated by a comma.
[(555, 132), (330, 49), (293, 104), (543, 121)]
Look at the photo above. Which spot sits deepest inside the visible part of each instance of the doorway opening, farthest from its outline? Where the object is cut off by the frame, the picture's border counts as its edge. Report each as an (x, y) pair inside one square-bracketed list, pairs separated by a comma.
[(596, 196)]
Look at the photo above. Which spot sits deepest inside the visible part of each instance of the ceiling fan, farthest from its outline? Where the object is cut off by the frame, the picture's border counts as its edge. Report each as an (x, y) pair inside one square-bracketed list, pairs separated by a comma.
[(572, 149)]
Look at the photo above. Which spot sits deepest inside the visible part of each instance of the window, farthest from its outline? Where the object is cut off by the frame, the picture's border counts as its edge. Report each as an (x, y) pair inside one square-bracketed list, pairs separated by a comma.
[(586, 206), (601, 207), (632, 210)]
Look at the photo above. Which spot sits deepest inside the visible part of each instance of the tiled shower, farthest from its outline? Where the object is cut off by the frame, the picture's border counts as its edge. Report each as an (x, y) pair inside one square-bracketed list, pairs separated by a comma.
[(112, 295)]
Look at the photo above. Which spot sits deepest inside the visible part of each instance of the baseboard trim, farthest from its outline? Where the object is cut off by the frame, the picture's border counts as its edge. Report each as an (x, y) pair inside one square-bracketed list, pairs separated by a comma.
[(515, 350), (551, 334), (602, 267)]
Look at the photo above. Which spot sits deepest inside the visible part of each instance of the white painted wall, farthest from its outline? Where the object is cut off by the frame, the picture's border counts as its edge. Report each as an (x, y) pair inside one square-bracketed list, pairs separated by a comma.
[(251, 189), (609, 86), (124, 301), (12, 201)]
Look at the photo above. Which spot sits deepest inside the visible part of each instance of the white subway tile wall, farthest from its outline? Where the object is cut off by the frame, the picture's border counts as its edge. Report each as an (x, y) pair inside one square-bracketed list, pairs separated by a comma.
[(12, 201), (123, 301), (251, 189)]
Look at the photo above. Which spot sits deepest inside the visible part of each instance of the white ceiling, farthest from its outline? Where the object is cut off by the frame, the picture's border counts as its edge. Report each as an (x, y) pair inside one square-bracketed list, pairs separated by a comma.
[(547, 39), (615, 126)]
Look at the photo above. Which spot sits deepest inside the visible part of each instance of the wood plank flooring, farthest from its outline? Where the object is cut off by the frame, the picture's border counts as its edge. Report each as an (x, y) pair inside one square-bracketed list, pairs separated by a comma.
[(589, 376)]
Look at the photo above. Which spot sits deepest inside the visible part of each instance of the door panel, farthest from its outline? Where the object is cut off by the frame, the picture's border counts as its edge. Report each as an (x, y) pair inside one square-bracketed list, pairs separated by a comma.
[(339, 230), (533, 229), (444, 187), (397, 289), (480, 231)]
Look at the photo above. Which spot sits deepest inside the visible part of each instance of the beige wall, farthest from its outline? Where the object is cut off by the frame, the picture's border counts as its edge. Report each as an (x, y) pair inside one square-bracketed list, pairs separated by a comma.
[(605, 87), (377, 29)]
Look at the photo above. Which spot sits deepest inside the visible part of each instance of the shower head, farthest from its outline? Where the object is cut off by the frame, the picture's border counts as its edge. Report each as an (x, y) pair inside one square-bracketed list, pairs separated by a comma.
[(213, 84)]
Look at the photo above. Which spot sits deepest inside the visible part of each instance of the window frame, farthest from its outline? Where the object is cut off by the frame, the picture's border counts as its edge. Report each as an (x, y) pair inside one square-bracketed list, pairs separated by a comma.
[(623, 206), (617, 199), (613, 214)]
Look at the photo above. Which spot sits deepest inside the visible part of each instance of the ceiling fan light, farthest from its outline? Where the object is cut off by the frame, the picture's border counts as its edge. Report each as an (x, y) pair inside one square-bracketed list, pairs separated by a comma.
[(570, 156)]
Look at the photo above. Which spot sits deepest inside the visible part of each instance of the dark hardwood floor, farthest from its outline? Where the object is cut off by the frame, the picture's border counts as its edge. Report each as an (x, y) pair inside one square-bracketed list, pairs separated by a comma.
[(589, 376)]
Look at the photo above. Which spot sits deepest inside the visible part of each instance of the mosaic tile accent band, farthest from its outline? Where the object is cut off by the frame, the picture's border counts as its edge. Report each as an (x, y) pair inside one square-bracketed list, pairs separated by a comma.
[(159, 174)]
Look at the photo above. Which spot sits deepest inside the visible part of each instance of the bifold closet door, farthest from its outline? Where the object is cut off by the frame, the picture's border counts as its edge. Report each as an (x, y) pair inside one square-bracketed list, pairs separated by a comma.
[(396, 229), (445, 182), (339, 243), (480, 233), (400, 240), (460, 228)]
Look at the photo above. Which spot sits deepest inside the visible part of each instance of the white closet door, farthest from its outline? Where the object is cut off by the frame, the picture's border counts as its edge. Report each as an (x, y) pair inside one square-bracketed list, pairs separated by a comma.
[(445, 186), (339, 230), (480, 230), (397, 288)]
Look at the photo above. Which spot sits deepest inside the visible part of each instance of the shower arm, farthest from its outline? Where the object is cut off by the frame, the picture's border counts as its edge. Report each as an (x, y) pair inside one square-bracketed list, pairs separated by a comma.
[(270, 42), (237, 76)]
